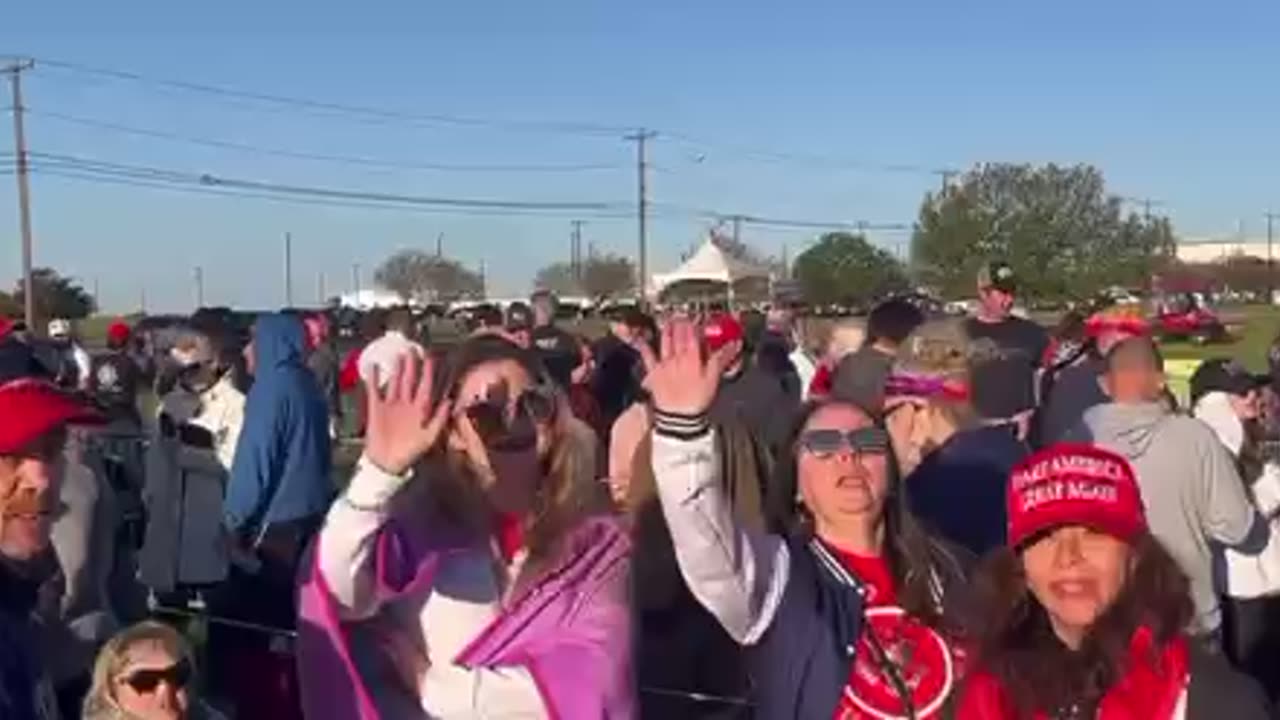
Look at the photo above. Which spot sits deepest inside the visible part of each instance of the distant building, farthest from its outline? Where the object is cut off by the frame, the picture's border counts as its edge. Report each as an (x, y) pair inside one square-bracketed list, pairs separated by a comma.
[(1210, 250)]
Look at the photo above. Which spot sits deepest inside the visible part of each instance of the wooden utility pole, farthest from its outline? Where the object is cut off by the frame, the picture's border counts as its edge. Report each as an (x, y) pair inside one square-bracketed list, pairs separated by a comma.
[(199, 277), (1271, 282), (320, 288), (22, 169), (288, 270), (575, 249), (641, 138)]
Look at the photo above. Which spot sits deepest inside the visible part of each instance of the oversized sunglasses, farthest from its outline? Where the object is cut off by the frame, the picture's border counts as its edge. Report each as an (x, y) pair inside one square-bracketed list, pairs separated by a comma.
[(146, 681), (863, 441), (499, 423)]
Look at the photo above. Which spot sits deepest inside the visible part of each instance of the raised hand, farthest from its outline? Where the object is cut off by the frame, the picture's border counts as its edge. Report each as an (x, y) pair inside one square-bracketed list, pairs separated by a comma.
[(682, 381), (401, 425)]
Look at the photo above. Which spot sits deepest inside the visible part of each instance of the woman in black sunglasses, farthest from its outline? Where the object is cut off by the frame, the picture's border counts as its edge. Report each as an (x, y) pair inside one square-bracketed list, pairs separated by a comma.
[(469, 569), (851, 613), (145, 673)]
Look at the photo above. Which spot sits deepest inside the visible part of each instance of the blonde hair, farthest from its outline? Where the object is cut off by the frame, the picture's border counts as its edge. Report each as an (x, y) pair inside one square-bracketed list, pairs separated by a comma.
[(942, 349), (846, 336), (101, 703)]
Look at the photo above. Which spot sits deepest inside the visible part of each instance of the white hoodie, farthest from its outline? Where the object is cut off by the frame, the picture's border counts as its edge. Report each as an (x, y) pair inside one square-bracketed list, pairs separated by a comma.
[(1248, 576)]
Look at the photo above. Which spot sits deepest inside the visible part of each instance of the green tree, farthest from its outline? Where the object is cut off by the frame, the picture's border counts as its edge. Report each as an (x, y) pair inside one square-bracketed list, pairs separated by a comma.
[(560, 278), (846, 269), (417, 275), (1064, 235), (599, 277), (56, 296), (8, 306)]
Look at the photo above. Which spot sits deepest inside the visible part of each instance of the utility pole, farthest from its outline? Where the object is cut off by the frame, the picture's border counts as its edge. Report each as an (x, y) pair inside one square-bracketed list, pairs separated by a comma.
[(24, 189), (288, 269), (142, 299), (355, 279), (320, 288), (737, 231), (946, 176), (575, 249), (199, 274), (641, 137), (484, 282), (1271, 281), (440, 245)]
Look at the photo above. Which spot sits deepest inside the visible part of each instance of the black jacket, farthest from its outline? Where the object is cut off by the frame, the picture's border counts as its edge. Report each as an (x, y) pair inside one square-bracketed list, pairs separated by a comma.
[(801, 664), (25, 691), (958, 490), (1217, 691)]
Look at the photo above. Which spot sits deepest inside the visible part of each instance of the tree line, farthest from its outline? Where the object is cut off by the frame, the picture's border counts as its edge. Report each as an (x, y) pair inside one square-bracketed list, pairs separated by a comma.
[(1065, 235)]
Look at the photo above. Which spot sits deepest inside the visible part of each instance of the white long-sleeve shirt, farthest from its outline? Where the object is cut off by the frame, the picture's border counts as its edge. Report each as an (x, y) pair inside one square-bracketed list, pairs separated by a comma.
[(737, 574), (1247, 576), (464, 598)]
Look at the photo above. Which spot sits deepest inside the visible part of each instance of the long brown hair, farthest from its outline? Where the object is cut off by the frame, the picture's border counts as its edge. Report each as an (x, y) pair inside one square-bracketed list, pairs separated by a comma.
[(1018, 647), (567, 492), (913, 557)]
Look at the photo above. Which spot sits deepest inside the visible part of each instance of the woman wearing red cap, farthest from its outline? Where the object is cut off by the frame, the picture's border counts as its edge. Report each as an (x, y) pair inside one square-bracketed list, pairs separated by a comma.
[(1086, 613)]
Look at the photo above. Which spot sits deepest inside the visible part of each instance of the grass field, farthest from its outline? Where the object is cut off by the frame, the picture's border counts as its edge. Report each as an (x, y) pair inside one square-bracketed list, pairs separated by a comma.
[(1253, 329)]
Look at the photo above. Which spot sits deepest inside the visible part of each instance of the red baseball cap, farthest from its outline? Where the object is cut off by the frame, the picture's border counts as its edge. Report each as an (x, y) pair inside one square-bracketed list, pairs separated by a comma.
[(118, 332), (1074, 484), (720, 330), (31, 407)]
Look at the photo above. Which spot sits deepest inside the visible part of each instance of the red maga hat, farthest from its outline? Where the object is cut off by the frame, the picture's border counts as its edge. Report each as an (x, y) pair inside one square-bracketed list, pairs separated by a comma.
[(720, 330), (1074, 484), (31, 407)]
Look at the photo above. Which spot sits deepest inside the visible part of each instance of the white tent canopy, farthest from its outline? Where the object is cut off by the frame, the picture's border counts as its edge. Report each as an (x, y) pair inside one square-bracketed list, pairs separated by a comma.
[(709, 263)]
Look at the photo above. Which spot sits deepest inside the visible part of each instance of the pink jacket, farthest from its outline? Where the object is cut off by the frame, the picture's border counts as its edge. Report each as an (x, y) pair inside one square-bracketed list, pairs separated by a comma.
[(571, 629)]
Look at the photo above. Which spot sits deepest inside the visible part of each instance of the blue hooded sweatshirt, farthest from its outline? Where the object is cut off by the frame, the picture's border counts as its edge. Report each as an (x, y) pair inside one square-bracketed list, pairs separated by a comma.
[(281, 470)]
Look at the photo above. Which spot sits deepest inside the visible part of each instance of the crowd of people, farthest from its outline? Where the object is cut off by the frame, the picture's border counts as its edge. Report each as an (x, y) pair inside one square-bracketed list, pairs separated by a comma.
[(697, 515)]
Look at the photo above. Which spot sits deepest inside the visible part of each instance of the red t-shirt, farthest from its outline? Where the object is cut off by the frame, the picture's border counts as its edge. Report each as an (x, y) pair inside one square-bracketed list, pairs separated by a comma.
[(925, 661), (822, 382)]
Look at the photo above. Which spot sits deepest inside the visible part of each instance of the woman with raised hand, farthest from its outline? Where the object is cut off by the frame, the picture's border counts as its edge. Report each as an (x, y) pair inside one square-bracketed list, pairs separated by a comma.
[(1085, 613), (851, 613), (465, 571)]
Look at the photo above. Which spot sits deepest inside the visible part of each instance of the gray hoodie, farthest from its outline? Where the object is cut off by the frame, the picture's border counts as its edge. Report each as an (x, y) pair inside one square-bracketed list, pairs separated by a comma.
[(1192, 491)]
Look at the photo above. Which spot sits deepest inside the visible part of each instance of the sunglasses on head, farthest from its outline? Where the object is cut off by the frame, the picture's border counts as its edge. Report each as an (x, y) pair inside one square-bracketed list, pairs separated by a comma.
[(498, 423), (146, 681), (863, 441)]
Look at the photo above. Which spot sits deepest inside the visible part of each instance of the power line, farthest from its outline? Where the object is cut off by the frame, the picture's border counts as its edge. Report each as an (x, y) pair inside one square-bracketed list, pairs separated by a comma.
[(570, 128), (815, 161), (586, 129), (781, 223), (320, 157), (99, 177), (211, 180)]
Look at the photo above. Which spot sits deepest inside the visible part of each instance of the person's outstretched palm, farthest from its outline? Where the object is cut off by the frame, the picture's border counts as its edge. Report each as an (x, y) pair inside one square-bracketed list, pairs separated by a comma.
[(402, 426), (682, 381)]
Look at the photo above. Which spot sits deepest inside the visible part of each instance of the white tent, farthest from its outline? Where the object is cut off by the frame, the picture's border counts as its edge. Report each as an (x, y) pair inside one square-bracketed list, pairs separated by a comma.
[(709, 263)]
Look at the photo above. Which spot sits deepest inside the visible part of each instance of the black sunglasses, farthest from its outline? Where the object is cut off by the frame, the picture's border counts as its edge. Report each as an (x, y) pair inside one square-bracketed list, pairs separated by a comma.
[(498, 427), (863, 441), (146, 681)]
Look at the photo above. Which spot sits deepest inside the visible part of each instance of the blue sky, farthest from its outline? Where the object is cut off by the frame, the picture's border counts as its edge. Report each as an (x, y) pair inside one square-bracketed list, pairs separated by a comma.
[(1175, 100)]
